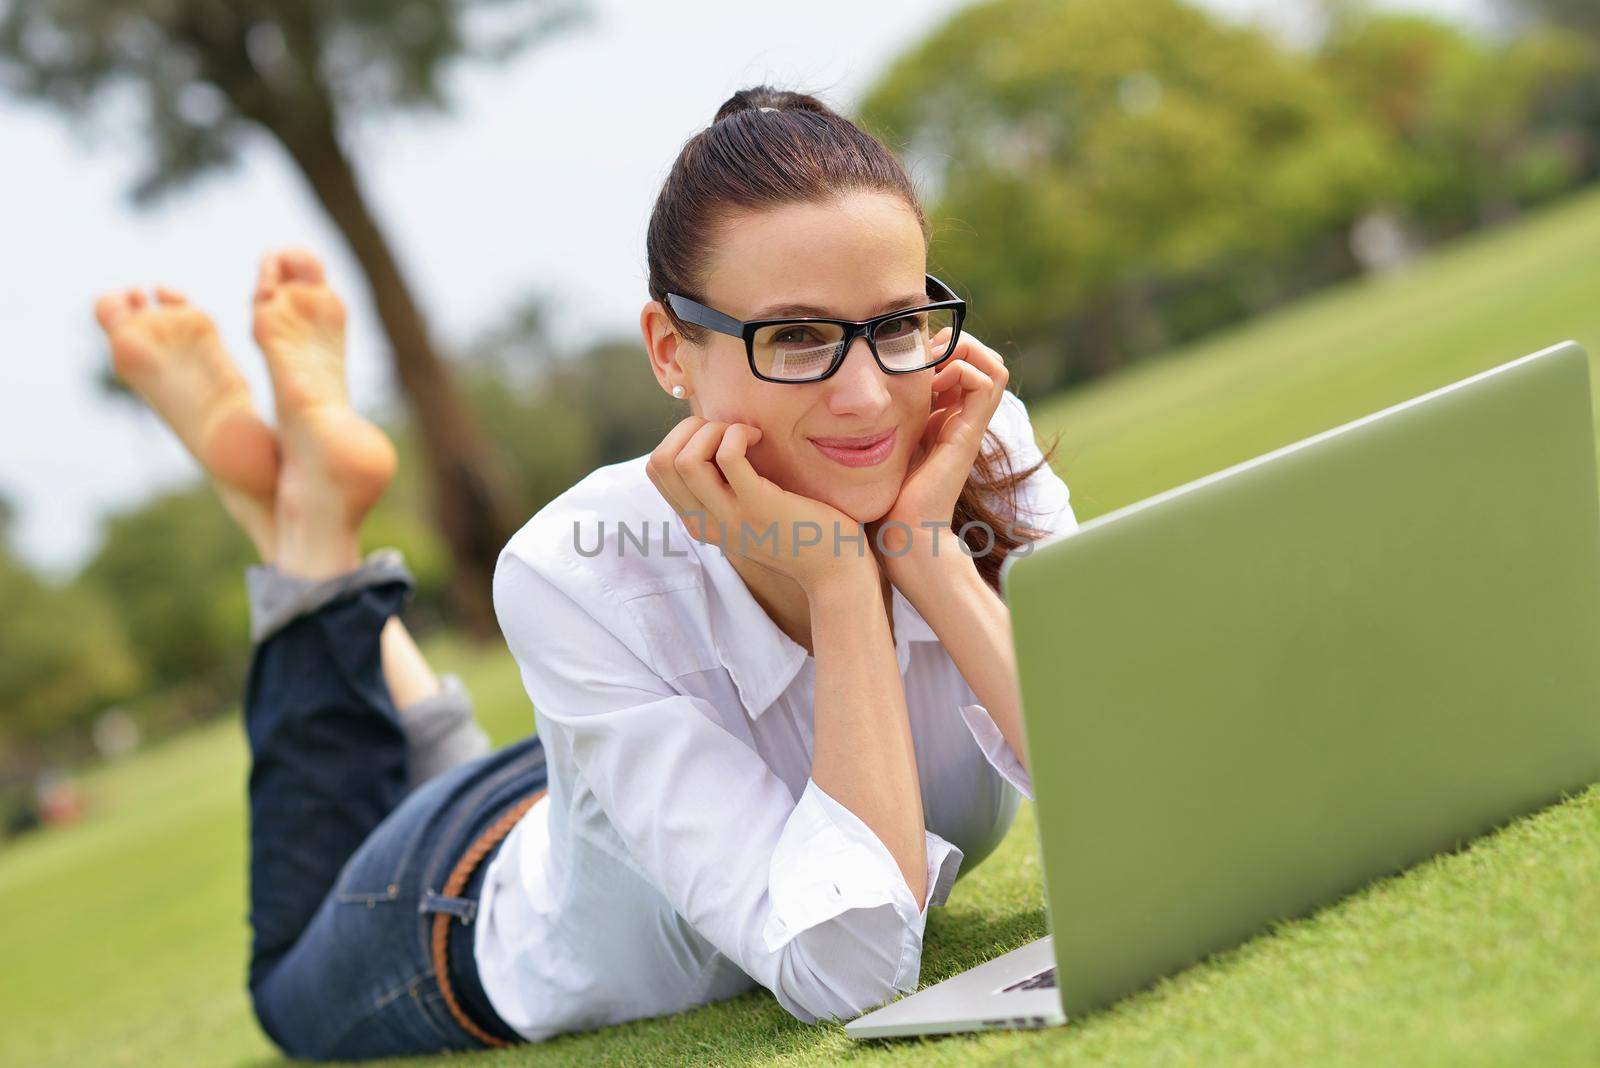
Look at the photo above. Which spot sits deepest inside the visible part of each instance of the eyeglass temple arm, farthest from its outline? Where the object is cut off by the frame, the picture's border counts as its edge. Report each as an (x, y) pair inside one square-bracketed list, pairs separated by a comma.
[(939, 290), (691, 311)]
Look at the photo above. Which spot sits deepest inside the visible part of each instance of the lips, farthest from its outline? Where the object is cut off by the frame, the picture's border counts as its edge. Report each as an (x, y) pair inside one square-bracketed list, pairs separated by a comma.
[(865, 441)]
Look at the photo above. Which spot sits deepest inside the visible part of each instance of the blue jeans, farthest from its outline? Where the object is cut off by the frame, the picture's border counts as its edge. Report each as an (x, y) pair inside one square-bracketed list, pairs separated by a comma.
[(346, 865)]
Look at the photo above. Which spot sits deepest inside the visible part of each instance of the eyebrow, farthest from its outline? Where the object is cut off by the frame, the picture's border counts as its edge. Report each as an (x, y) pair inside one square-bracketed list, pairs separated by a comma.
[(778, 310)]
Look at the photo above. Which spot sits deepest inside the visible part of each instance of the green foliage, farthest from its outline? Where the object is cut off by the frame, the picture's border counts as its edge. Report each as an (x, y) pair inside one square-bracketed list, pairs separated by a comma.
[(558, 415), (204, 71), (63, 656), (1476, 127), (1580, 15), (173, 568), (611, 383)]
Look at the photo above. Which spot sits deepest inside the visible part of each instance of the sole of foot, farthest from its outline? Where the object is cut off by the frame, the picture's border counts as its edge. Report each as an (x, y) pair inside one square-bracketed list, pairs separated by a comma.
[(169, 353), (335, 464)]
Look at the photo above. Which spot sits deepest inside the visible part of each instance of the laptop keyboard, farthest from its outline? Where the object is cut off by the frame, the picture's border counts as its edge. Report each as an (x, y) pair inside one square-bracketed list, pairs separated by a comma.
[(1045, 980)]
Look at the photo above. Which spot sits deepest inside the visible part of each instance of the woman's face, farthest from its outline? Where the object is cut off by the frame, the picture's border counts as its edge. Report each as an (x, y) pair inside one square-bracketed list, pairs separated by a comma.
[(851, 258)]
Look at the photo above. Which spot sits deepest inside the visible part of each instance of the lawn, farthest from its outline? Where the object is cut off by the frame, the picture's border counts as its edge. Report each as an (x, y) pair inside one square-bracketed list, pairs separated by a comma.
[(123, 939)]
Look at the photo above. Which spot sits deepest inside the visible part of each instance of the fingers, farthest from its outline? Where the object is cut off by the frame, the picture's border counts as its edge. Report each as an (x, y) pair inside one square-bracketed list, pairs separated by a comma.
[(702, 469), (967, 392), (170, 297), (699, 471), (662, 469), (748, 484), (973, 367), (962, 389)]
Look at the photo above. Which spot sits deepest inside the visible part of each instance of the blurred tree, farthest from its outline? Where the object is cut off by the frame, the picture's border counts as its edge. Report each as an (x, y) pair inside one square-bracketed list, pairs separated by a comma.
[(173, 569), (63, 657), (558, 413), (212, 72), (611, 381), (1111, 176), (1581, 15), (1480, 127)]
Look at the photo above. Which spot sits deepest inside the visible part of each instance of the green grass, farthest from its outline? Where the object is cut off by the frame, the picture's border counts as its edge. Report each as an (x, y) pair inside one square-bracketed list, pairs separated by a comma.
[(123, 939)]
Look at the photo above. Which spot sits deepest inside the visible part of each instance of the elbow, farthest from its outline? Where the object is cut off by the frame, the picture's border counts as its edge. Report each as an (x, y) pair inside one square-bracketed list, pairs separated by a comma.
[(837, 970), (810, 1000)]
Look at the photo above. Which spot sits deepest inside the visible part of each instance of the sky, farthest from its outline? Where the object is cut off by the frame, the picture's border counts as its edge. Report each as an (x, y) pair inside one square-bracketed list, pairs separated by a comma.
[(541, 180)]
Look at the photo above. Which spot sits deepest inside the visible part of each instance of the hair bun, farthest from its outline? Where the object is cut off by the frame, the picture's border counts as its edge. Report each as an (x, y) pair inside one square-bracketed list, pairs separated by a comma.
[(761, 98)]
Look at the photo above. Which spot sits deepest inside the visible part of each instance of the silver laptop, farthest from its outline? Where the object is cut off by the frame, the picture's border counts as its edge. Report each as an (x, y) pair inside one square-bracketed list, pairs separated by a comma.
[(1248, 696)]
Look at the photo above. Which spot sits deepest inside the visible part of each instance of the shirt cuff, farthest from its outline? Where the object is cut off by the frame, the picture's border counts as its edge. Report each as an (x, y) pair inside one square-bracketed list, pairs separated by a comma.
[(828, 861), (994, 747)]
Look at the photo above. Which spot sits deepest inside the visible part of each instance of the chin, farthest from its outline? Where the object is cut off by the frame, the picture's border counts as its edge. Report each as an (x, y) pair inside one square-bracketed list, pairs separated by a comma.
[(868, 504)]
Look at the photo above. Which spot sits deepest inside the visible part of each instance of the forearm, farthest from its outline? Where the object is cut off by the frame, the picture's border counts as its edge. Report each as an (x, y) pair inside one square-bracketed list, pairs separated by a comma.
[(862, 754), (972, 623)]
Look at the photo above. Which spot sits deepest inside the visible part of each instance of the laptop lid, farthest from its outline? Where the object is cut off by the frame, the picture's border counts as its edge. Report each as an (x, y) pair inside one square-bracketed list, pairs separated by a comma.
[(1247, 696)]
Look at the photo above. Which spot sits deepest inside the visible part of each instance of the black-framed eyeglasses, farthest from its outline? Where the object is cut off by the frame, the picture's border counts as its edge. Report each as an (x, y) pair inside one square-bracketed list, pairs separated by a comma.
[(809, 349)]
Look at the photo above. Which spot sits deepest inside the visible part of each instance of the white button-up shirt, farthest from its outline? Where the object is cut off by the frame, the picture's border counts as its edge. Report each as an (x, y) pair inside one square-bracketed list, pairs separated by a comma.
[(683, 852)]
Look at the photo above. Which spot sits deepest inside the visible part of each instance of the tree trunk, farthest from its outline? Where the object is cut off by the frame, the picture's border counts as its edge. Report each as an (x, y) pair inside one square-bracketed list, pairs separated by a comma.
[(470, 488)]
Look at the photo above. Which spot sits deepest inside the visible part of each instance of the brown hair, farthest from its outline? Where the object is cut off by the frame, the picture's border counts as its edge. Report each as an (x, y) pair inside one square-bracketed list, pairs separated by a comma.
[(803, 151)]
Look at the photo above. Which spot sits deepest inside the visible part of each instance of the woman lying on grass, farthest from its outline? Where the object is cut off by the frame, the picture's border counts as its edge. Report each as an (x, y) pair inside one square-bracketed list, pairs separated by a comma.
[(772, 676)]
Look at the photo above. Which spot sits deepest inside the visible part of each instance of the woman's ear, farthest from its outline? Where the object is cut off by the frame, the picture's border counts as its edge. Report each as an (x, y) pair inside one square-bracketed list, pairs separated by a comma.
[(664, 346)]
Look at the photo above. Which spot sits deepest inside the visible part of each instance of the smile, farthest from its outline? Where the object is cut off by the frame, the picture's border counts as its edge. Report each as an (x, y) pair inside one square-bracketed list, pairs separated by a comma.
[(873, 452)]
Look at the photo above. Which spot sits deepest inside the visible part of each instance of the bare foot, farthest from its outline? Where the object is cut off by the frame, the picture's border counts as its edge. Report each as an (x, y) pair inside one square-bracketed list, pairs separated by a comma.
[(170, 355), (335, 463)]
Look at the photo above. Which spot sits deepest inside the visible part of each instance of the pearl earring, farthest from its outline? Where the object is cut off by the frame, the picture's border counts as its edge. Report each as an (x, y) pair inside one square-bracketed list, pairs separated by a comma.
[(679, 392)]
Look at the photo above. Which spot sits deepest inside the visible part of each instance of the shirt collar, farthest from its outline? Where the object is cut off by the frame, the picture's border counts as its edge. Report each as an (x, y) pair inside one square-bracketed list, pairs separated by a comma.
[(761, 659)]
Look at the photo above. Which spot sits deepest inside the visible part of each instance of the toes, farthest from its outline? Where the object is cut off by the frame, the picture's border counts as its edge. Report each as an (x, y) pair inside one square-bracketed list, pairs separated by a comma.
[(319, 305), (300, 265), (285, 266), (170, 297), (268, 277), (110, 309)]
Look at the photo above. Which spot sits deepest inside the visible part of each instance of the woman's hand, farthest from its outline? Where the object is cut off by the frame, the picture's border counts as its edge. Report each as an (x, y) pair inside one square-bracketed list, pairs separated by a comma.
[(701, 468), (966, 393)]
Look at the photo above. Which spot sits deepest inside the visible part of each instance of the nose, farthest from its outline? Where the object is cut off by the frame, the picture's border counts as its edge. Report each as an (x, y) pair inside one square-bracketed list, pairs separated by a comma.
[(859, 386)]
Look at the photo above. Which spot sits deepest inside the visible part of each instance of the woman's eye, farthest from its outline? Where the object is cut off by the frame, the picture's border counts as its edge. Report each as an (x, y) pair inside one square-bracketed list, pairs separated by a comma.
[(896, 327), (795, 335)]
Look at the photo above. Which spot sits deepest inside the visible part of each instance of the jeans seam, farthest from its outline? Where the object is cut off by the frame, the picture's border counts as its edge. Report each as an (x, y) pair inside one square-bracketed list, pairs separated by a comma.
[(432, 1005), (382, 1002)]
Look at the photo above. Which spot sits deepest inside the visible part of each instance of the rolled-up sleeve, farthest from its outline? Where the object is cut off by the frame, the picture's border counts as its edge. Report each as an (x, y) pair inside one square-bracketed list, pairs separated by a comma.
[(838, 897), (800, 893)]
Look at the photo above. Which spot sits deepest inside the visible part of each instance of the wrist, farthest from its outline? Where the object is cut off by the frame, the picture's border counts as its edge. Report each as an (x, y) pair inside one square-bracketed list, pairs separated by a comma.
[(849, 582), (926, 548)]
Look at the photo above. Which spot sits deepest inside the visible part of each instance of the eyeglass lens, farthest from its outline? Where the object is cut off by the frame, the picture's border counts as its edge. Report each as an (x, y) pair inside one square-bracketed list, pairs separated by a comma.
[(800, 351)]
